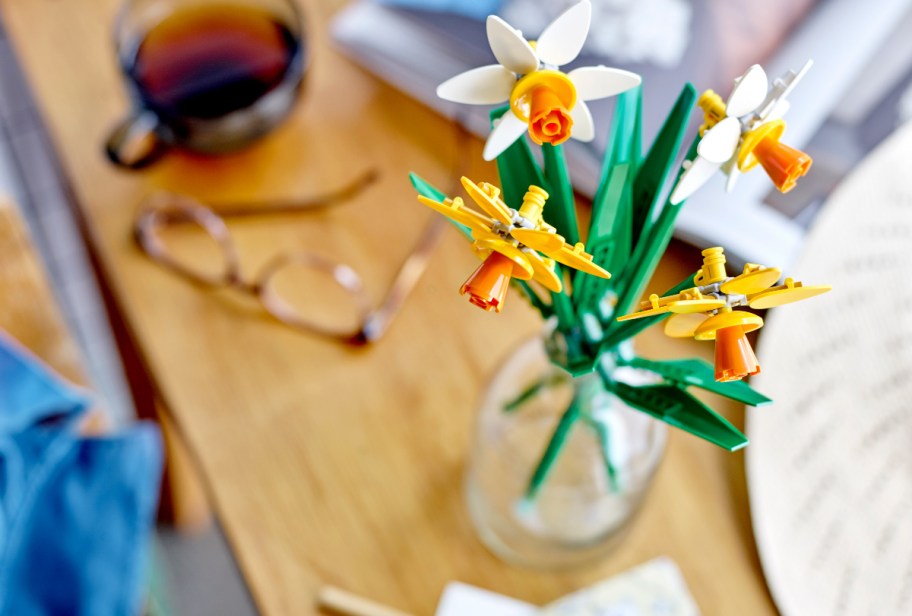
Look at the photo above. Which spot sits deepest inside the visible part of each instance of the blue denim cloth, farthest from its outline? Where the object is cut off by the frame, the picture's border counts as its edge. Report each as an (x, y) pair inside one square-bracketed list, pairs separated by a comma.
[(76, 512), (476, 9)]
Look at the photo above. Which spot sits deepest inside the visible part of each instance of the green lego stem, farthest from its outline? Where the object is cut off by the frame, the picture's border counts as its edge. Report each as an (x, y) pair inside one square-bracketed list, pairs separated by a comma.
[(553, 449), (560, 211), (648, 252), (563, 308), (601, 432), (533, 298), (517, 168), (529, 392)]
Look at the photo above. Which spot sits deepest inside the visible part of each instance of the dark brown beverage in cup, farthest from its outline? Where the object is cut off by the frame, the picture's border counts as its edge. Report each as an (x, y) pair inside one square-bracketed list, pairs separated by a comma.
[(210, 78)]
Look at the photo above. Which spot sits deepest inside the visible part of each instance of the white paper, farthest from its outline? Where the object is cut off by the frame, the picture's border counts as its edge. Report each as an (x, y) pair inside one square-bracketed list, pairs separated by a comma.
[(464, 600), (830, 463), (655, 588), (652, 589)]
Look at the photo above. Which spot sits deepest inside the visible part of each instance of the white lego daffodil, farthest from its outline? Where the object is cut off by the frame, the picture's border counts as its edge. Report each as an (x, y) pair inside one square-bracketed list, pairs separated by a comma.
[(545, 101)]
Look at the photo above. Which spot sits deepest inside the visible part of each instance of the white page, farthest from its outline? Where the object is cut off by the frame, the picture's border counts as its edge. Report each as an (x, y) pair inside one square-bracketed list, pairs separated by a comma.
[(830, 463)]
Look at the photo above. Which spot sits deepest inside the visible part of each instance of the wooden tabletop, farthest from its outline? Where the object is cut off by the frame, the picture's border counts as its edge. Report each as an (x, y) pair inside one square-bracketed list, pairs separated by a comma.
[(327, 464)]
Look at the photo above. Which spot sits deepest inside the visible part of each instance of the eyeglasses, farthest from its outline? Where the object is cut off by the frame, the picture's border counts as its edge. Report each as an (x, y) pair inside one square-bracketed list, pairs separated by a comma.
[(364, 324)]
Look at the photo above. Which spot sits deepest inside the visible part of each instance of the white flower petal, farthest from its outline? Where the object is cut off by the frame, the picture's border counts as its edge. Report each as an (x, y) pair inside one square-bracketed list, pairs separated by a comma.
[(583, 126), (508, 130), (720, 142), (509, 46), (485, 85), (699, 171), (750, 90), (594, 82), (563, 39)]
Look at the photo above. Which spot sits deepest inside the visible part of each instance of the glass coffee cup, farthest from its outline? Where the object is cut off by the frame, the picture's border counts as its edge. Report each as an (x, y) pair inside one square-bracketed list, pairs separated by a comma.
[(209, 76)]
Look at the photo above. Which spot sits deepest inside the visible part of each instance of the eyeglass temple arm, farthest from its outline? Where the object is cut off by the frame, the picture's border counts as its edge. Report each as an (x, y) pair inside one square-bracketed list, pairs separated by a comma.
[(319, 202), (378, 321)]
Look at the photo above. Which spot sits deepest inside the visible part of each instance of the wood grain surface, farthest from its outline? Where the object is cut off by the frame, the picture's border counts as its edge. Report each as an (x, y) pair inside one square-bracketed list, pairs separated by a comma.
[(28, 307), (328, 464)]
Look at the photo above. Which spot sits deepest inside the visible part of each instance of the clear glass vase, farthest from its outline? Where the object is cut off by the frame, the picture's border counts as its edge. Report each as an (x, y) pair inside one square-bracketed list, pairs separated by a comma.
[(603, 458)]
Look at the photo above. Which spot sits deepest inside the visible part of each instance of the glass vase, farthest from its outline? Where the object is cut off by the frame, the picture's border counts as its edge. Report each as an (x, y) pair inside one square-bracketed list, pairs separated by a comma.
[(559, 465)]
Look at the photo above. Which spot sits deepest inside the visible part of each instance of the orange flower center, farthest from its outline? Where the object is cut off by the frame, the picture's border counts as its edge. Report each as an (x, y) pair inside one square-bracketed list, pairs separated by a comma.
[(735, 359), (782, 163), (487, 286), (549, 119)]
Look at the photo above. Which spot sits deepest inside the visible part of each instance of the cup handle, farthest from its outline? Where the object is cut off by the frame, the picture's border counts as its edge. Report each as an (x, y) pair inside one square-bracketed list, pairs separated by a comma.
[(135, 142)]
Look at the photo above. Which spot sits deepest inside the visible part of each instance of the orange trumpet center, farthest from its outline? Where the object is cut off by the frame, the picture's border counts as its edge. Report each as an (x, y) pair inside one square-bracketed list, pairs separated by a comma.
[(735, 359), (487, 286), (549, 119), (782, 163)]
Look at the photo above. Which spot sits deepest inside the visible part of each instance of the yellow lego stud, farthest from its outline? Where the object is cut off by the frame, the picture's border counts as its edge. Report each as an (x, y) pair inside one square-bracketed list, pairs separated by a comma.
[(713, 109), (533, 204), (713, 267)]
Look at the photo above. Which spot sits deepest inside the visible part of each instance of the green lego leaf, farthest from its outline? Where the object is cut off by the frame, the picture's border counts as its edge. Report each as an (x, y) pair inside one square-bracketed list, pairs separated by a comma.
[(560, 211), (649, 250), (611, 215), (609, 238), (603, 435), (517, 168), (680, 409), (624, 137), (426, 189), (700, 374), (659, 162), (607, 248)]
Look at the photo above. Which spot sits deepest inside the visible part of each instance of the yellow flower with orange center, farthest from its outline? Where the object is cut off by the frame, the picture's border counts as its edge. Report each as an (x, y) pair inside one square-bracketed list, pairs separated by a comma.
[(513, 243)]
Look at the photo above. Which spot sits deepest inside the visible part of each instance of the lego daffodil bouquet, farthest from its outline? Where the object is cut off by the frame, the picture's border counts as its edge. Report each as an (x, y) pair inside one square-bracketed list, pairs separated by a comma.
[(527, 233)]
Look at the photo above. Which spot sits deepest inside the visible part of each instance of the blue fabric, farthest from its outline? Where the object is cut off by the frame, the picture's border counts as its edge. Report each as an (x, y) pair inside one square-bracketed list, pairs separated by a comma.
[(76, 512), (29, 394), (476, 9)]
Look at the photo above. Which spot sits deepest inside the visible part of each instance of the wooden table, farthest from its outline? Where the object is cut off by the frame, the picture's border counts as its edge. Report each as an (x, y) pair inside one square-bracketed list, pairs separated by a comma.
[(326, 464)]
